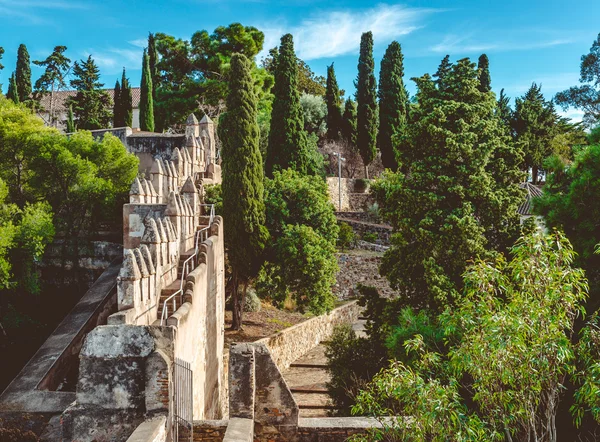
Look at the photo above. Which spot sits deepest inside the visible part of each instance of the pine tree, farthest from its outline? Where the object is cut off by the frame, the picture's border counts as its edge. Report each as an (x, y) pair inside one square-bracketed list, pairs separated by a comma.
[(126, 101), (54, 79), (503, 110), (1, 65), (12, 93), (349, 122), (23, 74), (334, 104), (117, 113), (91, 105), (442, 72), (483, 67), (366, 97), (146, 103), (393, 104), (440, 210), (153, 60), (287, 146), (71, 121), (243, 188)]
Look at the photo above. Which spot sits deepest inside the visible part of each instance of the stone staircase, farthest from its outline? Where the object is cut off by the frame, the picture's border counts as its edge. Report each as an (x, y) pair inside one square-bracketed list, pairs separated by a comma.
[(173, 287)]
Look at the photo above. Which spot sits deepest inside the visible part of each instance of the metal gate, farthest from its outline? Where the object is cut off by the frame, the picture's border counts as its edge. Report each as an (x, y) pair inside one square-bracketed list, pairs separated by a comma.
[(183, 401)]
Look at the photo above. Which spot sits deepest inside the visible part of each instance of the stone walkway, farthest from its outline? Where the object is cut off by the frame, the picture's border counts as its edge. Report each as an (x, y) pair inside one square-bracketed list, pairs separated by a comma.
[(307, 378)]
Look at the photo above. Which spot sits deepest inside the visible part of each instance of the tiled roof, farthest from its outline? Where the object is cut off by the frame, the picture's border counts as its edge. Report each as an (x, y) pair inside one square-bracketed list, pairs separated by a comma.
[(533, 191), (61, 97)]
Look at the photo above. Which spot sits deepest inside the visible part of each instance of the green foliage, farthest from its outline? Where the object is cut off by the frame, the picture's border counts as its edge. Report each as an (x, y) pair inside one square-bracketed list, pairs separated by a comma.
[(587, 376), (361, 185), (252, 302), (146, 102), (23, 74), (314, 110), (213, 194), (126, 107), (441, 211), (586, 96), (366, 97), (57, 67), (534, 125), (12, 93), (370, 237), (152, 62), (91, 105), (349, 122), (393, 104), (504, 111), (308, 82), (287, 138), (301, 258), (442, 73), (334, 105), (483, 69), (509, 353), (1, 55), (346, 236), (117, 113), (70, 121)]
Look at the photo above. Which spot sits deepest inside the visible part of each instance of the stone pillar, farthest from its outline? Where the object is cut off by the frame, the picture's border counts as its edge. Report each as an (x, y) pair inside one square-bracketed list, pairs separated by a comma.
[(177, 159), (242, 385), (190, 195), (144, 281), (147, 255), (168, 180), (136, 194), (128, 281), (207, 131), (157, 175), (173, 212)]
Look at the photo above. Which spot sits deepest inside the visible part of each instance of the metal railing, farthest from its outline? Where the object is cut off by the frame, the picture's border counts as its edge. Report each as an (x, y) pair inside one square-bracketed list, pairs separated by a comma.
[(183, 400), (201, 236)]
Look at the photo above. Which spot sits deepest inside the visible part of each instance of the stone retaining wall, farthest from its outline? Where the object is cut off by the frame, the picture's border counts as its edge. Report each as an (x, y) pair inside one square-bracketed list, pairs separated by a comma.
[(210, 430), (382, 231), (290, 344)]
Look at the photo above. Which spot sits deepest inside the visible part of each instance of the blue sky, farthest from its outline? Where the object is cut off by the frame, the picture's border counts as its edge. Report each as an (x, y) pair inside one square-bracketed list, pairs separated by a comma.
[(526, 40)]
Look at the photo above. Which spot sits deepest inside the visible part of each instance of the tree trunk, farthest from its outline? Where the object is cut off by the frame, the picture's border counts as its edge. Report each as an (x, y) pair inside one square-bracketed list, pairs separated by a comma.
[(366, 171), (237, 308), (534, 174)]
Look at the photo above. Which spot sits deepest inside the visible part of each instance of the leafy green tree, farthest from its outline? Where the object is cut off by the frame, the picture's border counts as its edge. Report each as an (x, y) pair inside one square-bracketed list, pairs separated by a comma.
[(349, 122), (534, 125), (315, 114), (483, 67), (308, 81), (23, 74), (146, 103), (301, 259), (510, 354), (242, 188), (366, 98), (287, 138), (70, 121), (393, 104), (91, 105), (438, 209), (443, 71), (117, 112), (54, 79), (334, 105), (153, 61), (12, 93), (126, 101), (503, 110), (586, 96)]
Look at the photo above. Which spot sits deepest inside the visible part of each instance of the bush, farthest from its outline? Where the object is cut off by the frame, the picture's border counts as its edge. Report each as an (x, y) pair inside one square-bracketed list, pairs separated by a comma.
[(361, 185), (252, 301), (346, 237), (212, 195), (374, 212), (371, 237)]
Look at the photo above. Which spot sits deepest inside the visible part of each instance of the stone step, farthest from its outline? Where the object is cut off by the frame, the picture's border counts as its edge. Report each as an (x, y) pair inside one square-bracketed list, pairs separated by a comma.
[(170, 289)]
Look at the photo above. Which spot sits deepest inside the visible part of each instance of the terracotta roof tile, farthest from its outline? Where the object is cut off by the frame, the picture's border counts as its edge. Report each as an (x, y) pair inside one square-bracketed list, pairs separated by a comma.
[(62, 96)]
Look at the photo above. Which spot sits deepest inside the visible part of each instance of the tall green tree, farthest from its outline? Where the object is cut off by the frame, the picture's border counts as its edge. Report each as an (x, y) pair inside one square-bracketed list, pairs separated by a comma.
[(146, 103), (70, 121), (439, 208), (1, 65), (308, 81), (393, 104), (586, 96), (534, 125), (153, 61), (23, 74), (12, 93), (287, 139), (126, 101), (503, 110), (117, 111), (334, 105), (54, 79), (366, 98), (349, 122), (442, 72), (92, 106), (485, 79), (242, 188)]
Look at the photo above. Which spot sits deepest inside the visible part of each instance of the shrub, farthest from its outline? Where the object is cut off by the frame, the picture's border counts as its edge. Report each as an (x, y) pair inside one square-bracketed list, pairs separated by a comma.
[(212, 195), (346, 237), (252, 301), (371, 237), (361, 185)]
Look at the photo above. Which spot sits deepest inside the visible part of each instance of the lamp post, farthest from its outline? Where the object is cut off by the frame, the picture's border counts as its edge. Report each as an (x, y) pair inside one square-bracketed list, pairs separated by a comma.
[(340, 159)]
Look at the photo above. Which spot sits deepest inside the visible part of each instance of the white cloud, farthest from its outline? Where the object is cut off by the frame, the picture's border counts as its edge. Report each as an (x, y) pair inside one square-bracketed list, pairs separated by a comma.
[(139, 42), (112, 60), (550, 83), (575, 115), (334, 33), (29, 9), (456, 44)]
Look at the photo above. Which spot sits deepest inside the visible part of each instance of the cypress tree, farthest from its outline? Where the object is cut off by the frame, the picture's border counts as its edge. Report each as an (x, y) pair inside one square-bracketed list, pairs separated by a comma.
[(366, 97), (12, 93), (117, 113), (485, 79), (146, 103), (126, 101), (70, 121), (442, 72), (349, 122), (153, 60), (1, 65), (503, 110), (287, 146), (393, 104), (243, 175), (23, 74), (334, 104)]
